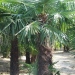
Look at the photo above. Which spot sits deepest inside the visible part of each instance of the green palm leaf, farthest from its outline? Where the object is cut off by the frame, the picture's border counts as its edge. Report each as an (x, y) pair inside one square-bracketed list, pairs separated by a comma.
[(31, 29)]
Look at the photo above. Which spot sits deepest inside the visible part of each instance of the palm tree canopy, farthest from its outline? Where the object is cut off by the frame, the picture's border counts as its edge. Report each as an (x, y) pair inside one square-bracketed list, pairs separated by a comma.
[(27, 19)]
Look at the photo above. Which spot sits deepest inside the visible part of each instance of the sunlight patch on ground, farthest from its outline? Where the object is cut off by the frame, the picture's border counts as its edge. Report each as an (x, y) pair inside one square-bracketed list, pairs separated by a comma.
[(23, 58), (65, 64), (6, 59)]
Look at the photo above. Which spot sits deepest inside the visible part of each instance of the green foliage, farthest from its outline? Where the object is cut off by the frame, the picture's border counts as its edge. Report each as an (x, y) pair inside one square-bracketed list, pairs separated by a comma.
[(31, 68), (23, 12), (30, 47), (29, 28), (5, 46), (22, 49), (54, 70), (5, 50)]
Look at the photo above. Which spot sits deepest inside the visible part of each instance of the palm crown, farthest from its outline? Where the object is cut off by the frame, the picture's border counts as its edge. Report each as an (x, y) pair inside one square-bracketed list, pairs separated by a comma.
[(33, 17)]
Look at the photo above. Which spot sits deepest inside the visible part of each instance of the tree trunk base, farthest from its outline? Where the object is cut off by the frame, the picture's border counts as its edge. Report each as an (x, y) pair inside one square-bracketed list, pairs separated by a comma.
[(44, 61), (14, 62)]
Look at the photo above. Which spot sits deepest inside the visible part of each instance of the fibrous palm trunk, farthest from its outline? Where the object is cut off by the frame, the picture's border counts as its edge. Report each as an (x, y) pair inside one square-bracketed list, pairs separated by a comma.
[(14, 62), (44, 61)]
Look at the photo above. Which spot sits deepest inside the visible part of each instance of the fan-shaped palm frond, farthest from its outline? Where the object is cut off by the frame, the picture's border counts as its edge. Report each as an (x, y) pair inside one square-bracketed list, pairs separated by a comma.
[(29, 30)]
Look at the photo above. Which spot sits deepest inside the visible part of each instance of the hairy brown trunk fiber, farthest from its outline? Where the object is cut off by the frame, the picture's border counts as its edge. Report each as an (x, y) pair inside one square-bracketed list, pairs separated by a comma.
[(28, 58), (14, 62), (44, 61)]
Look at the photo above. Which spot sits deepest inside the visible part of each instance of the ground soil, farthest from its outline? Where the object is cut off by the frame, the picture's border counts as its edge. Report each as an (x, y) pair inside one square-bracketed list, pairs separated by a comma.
[(65, 63)]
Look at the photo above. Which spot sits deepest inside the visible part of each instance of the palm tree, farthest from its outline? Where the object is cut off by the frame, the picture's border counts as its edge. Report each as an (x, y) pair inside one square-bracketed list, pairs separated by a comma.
[(48, 28), (15, 21), (43, 28), (10, 31)]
